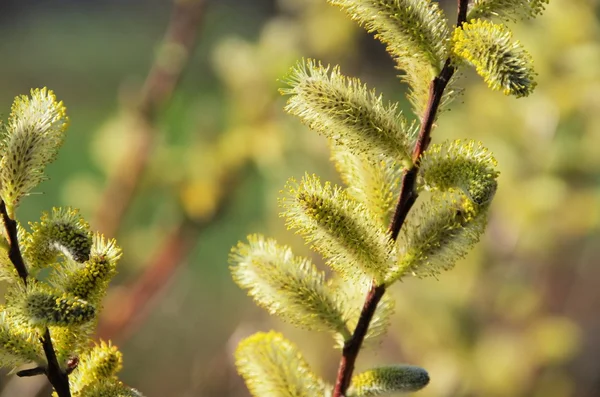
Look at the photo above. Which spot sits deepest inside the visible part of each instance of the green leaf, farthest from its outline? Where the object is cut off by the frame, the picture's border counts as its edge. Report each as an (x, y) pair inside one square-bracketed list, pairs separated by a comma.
[(32, 137), (388, 380), (346, 112), (343, 230), (503, 64), (415, 32), (273, 367), (506, 9), (288, 286)]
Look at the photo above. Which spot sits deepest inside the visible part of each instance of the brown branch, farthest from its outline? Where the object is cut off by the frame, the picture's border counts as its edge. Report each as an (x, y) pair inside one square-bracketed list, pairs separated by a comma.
[(352, 346), (136, 300), (164, 75), (57, 377), (408, 196), (131, 305), (14, 251)]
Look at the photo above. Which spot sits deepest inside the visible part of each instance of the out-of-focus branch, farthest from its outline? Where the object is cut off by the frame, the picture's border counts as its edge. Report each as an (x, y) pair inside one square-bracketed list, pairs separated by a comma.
[(134, 302), (165, 73)]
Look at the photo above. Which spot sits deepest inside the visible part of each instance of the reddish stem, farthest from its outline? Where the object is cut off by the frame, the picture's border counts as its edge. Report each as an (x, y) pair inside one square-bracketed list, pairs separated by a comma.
[(408, 196)]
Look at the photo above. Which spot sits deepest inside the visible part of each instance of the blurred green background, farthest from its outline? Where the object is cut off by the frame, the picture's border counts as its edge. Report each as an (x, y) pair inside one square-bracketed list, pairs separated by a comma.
[(518, 317)]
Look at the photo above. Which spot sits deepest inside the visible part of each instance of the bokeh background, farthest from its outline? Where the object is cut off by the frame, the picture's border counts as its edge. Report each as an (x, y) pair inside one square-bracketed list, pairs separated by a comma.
[(178, 147)]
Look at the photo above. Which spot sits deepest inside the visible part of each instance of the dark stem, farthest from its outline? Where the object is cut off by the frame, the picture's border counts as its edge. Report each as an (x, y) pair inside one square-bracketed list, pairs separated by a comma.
[(25, 373), (134, 305), (57, 377), (408, 196), (14, 252), (352, 346)]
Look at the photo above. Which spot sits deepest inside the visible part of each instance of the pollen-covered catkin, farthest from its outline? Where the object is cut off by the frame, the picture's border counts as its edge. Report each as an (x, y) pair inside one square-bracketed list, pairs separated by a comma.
[(47, 308), (32, 137), (504, 64)]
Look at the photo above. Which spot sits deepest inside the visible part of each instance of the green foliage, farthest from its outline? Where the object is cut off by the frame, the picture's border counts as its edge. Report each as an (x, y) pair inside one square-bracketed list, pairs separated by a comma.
[(503, 64), (371, 146), (273, 367), (388, 380), (65, 303)]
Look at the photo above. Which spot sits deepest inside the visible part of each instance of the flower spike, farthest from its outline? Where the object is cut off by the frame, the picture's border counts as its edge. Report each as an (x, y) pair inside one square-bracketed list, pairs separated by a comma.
[(62, 231), (346, 112), (32, 137), (504, 65), (416, 34), (388, 380), (506, 9), (341, 229), (273, 367), (288, 286)]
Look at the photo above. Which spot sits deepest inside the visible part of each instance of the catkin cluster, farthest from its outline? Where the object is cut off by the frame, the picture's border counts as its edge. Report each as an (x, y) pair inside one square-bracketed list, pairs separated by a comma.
[(57, 270), (374, 147)]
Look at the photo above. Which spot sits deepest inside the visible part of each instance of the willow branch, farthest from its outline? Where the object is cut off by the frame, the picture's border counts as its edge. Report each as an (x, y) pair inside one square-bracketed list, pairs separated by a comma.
[(166, 72), (57, 377), (408, 196), (14, 251), (137, 299)]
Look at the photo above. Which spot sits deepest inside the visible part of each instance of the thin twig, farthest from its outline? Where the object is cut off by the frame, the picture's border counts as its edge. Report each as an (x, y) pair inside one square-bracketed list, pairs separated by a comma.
[(408, 196), (158, 88), (138, 298), (134, 301), (14, 251), (57, 377), (164, 75)]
